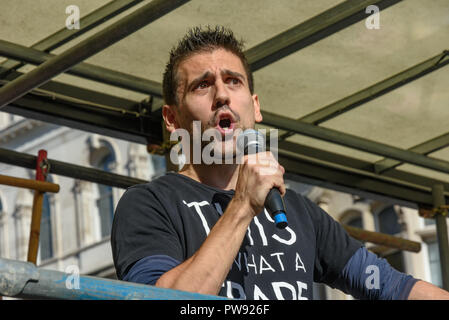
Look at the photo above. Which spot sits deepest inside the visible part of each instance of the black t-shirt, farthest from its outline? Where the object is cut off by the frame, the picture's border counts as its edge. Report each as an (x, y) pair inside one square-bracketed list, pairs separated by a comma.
[(173, 215)]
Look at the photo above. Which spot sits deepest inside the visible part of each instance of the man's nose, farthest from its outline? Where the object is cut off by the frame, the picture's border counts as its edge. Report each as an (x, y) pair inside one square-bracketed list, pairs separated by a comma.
[(221, 95)]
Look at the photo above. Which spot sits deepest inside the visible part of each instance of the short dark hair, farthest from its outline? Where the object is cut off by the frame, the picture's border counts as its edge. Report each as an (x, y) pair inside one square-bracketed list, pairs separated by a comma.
[(199, 40)]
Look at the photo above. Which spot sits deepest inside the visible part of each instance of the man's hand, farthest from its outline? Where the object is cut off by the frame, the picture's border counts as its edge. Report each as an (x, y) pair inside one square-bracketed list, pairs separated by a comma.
[(258, 174)]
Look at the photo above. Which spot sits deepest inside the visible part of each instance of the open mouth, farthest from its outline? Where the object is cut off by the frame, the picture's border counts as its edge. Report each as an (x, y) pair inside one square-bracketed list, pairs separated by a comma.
[(225, 123)]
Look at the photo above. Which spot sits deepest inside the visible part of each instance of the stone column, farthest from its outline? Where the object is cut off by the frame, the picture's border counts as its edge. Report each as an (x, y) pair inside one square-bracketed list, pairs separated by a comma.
[(4, 235), (22, 217), (86, 233)]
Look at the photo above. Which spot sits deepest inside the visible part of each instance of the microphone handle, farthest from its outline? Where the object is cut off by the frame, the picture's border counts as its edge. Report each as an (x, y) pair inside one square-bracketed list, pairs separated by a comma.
[(274, 203)]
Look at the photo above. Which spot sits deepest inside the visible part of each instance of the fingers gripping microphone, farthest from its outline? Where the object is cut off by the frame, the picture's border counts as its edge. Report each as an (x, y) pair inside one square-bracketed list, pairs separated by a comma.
[(254, 142)]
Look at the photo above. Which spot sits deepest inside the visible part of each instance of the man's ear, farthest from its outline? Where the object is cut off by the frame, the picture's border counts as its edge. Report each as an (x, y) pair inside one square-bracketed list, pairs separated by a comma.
[(257, 113), (169, 115)]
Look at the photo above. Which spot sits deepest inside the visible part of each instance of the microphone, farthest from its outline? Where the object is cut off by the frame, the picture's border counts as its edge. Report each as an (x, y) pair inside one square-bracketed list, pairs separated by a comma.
[(253, 142)]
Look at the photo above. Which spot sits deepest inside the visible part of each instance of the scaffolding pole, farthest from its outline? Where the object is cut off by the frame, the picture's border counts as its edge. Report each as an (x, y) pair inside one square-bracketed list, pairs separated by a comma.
[(41, 186), (36, 215), (352, 141), (24, 280), (85, 70), (374, 91), (311, 31), (441, 224), (69, 170), (383, 239)]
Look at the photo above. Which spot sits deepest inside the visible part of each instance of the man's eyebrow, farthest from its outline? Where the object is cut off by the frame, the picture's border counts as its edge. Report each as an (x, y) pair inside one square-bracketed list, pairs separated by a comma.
[(232, 73), (197, 80)]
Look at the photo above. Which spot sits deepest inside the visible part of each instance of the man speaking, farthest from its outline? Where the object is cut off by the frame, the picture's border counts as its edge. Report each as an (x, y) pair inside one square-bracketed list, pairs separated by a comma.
[(206, 229)]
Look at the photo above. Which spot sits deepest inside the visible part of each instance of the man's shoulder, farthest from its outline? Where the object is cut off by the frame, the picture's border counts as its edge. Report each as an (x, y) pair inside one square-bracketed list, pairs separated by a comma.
[(292, 195), (302, 204), (156, 193), (164, 182)]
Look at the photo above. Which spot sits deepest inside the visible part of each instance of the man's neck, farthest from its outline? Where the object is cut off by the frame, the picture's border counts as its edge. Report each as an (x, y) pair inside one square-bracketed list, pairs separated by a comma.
[(222, 176)]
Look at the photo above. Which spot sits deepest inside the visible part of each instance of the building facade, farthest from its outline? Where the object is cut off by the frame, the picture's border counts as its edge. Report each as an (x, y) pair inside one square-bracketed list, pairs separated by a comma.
[(76, 221)]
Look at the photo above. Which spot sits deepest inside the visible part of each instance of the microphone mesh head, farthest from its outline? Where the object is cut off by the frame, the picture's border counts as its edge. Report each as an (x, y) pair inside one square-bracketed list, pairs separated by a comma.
[(252, 141)]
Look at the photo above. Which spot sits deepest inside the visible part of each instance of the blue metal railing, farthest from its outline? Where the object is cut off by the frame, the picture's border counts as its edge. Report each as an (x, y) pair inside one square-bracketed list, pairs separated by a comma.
[(24, 280)]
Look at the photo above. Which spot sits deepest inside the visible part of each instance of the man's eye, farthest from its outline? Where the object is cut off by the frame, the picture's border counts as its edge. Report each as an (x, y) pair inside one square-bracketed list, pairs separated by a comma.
[(202, 85), (234, 81)]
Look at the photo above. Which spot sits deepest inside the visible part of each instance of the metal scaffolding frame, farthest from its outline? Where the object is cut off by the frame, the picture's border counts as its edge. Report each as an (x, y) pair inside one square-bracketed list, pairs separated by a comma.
[(24, 280), (64, 35), (317, 28), (86, 48), (89, 110), (141, 121), (372, 92), (84, 70), (355, 176)]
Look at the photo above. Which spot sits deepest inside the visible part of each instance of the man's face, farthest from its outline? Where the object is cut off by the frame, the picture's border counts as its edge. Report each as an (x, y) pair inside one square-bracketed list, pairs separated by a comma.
[(213, 88)]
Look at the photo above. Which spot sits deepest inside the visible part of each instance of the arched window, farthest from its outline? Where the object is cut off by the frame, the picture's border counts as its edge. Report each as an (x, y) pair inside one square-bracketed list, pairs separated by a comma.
[(103, 156), (46, 250), (355, 222), (23, 205), (353, 218), (159, 165), (46, 237), (387, 221), (434, 263), (104, 201)]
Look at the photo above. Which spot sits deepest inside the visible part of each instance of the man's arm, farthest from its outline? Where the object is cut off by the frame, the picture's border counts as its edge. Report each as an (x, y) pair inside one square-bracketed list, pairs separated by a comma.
[(423, 290), (206, 270), (359, 279)]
